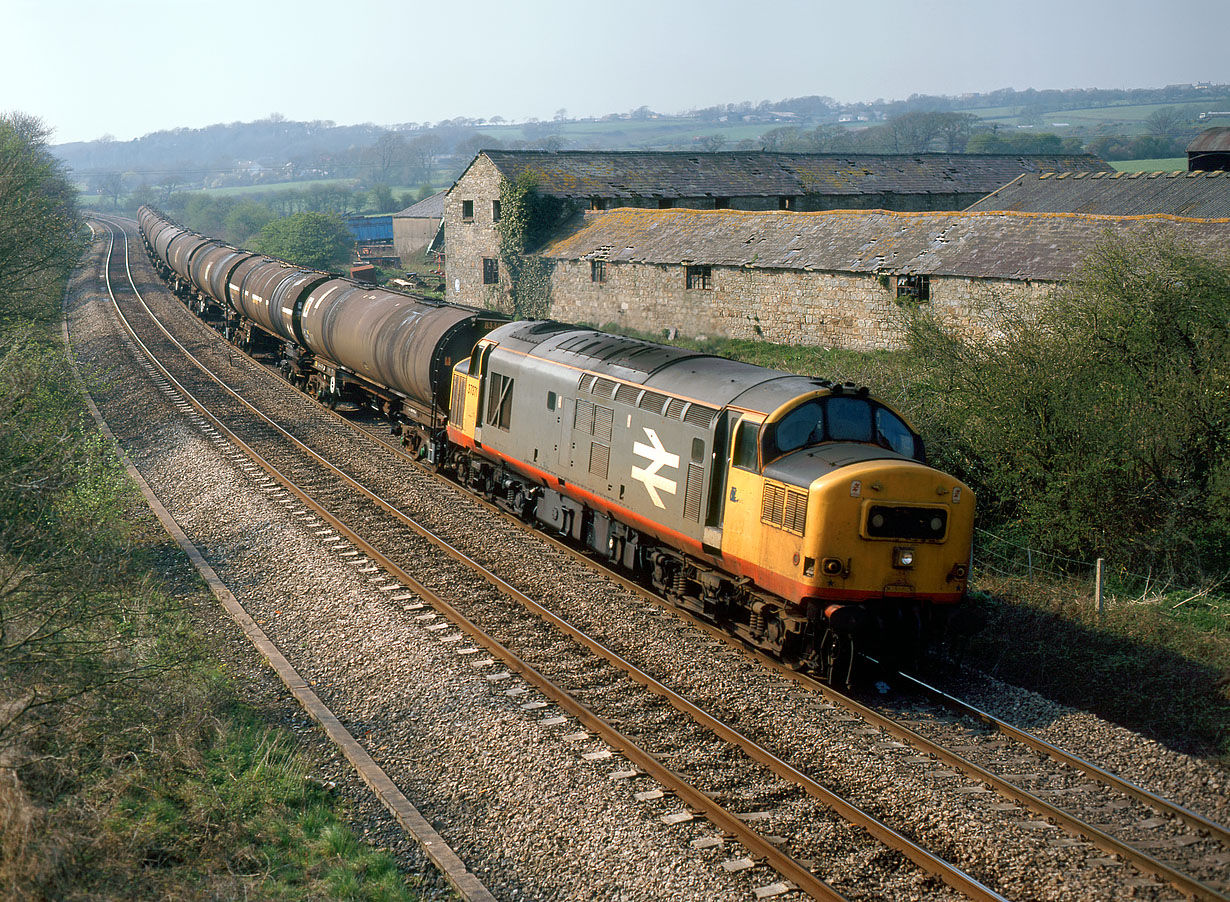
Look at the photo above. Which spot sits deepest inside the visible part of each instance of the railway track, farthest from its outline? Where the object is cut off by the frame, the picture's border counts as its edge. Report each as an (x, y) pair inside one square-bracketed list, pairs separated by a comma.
[(1162, 838), (332, 495), (629, 719)]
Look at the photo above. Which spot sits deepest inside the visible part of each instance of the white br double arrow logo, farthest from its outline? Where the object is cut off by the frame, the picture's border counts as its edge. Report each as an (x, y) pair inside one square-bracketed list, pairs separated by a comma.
[(658, 457)]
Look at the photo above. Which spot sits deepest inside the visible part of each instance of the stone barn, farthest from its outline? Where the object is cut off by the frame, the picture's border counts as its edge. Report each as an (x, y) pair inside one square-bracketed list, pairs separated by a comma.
[(737, 180), (834, 279)]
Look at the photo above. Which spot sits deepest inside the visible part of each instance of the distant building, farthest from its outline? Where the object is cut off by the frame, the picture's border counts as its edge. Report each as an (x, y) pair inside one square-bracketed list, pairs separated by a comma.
[(1210, 150), (738, 180), (373, 236), (1198, 195), (415, 228), (834, 279)]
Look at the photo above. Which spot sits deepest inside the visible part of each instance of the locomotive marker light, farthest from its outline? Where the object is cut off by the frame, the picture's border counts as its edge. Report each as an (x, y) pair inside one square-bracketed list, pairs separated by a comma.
[(658, 457)]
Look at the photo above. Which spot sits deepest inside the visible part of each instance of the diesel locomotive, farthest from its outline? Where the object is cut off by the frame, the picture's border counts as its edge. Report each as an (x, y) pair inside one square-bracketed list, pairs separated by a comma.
[(800, 514)]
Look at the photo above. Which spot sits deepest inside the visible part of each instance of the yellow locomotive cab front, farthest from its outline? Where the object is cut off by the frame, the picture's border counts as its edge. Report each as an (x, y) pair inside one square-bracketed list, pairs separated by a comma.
[(888, 529)]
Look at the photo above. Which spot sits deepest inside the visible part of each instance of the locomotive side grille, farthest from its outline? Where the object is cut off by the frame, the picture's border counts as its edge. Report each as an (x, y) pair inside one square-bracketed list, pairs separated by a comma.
[(674, 409), (586, 382), (699, 415), (784, 508), (603, 388), (627, 394), (653, 402), (458, 400), (773, 505), (584, 421), (795, 519), (599, 459), (692, 493), (604, 418)]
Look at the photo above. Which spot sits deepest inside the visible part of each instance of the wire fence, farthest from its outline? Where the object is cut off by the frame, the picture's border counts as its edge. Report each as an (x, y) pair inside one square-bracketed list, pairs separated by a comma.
[(1000, 557)]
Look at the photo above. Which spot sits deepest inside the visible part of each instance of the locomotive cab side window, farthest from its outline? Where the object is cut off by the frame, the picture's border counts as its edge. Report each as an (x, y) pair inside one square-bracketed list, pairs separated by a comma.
[(745, 445), (893, 433)]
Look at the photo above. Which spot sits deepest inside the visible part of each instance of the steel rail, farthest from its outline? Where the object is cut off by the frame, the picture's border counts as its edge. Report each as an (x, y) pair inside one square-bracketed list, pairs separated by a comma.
[(1100, 839), (1191, 818), (934, 865)]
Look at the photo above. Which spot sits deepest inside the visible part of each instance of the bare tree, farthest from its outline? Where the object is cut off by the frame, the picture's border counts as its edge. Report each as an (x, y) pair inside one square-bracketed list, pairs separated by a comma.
[(914, 132), (386, 159), (422, 153), (1167, 122)]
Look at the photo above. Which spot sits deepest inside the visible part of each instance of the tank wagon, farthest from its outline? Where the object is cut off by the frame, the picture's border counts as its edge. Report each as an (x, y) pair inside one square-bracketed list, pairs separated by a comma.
[(798, 513), (333, 337)]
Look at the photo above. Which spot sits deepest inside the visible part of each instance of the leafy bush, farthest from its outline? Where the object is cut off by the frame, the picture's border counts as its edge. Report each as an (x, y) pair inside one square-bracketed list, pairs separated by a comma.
[(316, 240), (1100, 424)]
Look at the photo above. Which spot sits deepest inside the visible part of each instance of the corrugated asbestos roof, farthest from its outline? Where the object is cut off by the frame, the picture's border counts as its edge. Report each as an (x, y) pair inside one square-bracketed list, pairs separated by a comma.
[(1043, 246), (1211, 140), (428, 208), (1199, 195), (670, 174)]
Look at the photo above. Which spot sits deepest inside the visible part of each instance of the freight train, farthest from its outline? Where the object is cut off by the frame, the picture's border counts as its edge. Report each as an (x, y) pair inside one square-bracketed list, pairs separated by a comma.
[(800, 514)]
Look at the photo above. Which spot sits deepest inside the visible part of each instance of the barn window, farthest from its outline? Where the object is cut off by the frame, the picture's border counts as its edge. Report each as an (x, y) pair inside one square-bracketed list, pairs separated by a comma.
[(499, 401), (467, 211), (914, 288), (785, 203), (597, 270), (495, 211), (597, 204), (700, 277), (491, 271)]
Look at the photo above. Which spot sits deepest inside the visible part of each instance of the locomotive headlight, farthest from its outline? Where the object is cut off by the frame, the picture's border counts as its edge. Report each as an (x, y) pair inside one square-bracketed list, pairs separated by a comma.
[(832, 566), (903, 558)]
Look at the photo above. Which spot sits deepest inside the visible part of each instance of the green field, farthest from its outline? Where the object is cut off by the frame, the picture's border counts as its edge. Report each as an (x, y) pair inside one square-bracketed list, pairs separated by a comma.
[(1167, 164), (1127, 119)]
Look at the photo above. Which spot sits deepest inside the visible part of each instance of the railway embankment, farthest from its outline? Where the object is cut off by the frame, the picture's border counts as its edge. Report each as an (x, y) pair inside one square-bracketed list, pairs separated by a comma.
[(140, 757)]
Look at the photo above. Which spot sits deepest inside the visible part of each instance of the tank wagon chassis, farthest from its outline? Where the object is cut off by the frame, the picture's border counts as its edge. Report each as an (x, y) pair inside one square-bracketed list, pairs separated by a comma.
[(799, 515)]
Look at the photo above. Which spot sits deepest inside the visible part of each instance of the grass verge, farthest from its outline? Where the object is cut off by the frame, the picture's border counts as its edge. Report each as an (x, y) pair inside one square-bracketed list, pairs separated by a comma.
[(132, 765)]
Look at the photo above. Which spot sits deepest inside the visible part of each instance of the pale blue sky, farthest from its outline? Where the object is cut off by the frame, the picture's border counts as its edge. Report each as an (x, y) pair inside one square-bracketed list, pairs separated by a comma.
[(197, 63)]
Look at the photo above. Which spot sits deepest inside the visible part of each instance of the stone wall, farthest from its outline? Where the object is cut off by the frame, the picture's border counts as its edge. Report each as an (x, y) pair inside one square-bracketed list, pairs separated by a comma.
[(833, 310), (468, 241)]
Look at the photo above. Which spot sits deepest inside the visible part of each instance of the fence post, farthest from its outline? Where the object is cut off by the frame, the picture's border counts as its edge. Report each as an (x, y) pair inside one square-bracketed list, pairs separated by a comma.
[(1029, 558), (1097, 591)]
